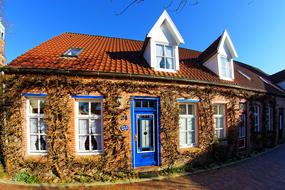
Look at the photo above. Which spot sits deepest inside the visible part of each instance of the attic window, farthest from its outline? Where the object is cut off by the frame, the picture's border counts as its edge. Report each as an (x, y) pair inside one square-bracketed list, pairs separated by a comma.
[(165, 57), (72, 52), (244, 75), (264, 80), (225, 67)]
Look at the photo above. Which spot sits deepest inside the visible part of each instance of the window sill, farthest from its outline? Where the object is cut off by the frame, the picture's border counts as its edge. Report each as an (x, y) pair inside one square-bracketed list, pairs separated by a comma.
[(89, 153), (37, 154), (188, 146), (226, 78), (165, 70), (192, 149)]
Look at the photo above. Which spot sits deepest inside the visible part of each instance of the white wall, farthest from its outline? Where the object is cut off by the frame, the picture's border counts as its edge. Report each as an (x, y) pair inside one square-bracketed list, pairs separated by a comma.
[(212, 64), (162, 35)]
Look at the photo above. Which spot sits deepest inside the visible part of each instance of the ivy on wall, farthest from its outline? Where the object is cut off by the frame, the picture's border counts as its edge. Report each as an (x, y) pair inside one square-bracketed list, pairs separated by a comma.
[(61, 165)]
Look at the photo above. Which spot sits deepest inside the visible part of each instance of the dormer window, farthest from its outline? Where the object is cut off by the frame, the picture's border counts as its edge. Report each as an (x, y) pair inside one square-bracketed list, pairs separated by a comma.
[(165, 57), (160, 49), (218, 57), (72, 52), (225, 67)]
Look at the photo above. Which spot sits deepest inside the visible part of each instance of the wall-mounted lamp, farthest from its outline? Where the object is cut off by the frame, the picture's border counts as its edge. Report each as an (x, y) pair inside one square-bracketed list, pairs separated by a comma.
[(119, 100)]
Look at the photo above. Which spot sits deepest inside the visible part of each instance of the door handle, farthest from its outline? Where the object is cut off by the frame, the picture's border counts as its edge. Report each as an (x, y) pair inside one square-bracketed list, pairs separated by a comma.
[(136, 137)]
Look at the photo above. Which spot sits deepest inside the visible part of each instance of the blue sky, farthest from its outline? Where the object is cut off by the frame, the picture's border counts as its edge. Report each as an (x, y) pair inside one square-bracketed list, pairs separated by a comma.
[(257, 27)]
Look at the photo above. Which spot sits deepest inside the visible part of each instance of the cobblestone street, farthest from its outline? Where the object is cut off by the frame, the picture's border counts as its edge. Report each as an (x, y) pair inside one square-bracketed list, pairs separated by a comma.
[(263, 172)]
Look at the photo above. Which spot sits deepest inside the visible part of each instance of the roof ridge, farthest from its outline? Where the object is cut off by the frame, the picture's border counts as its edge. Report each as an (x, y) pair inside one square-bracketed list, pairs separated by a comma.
[(95, 35)]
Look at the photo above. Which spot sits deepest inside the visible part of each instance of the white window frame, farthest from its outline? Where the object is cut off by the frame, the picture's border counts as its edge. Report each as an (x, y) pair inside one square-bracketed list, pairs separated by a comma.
[(165, 57), (187, 116), (89, 117), (256, 118), (38, 117), (218, 115), (228, 70)]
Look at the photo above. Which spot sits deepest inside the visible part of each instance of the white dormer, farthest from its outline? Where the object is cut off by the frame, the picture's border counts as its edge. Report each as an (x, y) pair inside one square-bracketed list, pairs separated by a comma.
[(161, 50), (2, 30), (219, 57)]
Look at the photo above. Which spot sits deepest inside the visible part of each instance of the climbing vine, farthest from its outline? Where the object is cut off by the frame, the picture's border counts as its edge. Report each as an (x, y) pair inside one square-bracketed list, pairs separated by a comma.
[(61, 163)]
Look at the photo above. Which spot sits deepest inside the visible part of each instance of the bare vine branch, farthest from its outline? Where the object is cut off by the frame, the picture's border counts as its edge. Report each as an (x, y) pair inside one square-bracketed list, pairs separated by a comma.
[(129, 5)]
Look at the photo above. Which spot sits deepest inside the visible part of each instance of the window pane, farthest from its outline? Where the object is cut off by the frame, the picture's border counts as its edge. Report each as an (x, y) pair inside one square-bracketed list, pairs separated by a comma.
[(94, 143), (182, 123), (99, 143), (160, 62), (216, 123), (191, 137), (159, 50), (221, 133), (33, 125), (151, 104), (95, 126), (83, 126), (43, 142), (95, 108), (222, 122), (191, 124), (190, 109), (137, 104), (42, 127), (168, 51), (182, 109), (33, 106), (34, 142), (42, 105), (144, 104), (83, 108), (183, 138), (169, 63), (84, 143), (221, 109)]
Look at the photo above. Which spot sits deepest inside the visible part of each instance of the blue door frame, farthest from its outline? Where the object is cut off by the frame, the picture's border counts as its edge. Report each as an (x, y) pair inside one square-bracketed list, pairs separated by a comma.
[(145, 156)]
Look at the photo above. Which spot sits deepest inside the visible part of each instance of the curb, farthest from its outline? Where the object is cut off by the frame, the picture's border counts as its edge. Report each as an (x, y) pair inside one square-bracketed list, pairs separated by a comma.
[(10, 182)]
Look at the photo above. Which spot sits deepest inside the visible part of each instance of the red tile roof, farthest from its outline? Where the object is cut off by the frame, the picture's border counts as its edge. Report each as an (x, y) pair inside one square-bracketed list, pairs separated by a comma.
[(116, 55), (210, 51), (278, 77)]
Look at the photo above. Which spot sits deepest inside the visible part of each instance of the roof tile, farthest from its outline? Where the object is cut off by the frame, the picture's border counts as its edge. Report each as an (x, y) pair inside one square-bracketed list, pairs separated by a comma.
[(106, 54)]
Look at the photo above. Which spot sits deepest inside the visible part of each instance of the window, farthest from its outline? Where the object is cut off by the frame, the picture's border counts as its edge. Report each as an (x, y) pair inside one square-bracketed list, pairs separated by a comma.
[(269, 114), (165, 57), (37, 129), (226, 67), (264, 80), (89, 126), (242, 120), (280, 118), (72, 52), (244, 75), (145, 104), (219, 120), (256, 123), (187, 125)]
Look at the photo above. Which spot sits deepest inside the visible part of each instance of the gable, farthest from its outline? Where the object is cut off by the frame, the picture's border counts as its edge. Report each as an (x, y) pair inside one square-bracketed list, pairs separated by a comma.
[(164, 26)]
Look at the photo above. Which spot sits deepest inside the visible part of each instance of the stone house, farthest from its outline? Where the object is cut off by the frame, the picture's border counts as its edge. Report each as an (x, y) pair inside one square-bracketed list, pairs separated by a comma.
[(95, 106)]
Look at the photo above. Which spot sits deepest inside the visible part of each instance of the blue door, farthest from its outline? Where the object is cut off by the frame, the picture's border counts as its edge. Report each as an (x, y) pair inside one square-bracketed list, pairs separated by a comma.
[(145, 131)]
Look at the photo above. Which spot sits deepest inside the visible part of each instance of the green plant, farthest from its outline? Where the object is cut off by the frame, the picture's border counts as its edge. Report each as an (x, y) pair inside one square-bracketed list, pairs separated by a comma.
[(26, 177)]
